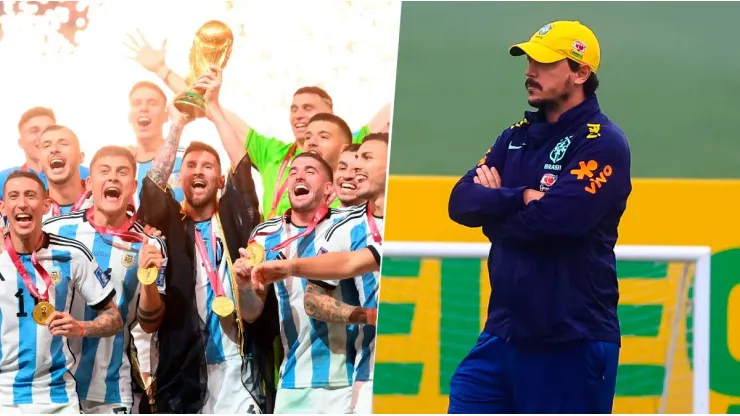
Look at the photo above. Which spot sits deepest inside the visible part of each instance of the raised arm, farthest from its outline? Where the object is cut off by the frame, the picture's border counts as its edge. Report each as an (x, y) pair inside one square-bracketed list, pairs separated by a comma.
[(322, 306), (153, 60), (164, 162)]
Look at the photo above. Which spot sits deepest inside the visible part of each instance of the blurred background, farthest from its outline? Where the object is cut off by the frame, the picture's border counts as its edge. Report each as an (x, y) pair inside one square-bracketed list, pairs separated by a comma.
[(70, 56), (670, 77)]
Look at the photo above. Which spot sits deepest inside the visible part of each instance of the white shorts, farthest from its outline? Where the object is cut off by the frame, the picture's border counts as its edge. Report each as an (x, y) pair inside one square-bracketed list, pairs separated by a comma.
[(328, 400), (54, 408), (98, 408), (362, 397), (226, 393)]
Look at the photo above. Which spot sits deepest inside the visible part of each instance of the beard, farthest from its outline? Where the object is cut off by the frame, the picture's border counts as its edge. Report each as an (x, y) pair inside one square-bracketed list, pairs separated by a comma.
[(554, 98), (200, 202)]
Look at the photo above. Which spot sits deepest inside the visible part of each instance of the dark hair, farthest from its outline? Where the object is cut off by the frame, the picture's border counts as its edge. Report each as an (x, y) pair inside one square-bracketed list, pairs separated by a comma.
[(106, 151), (316, 91), (146, 84), (354, 147), (36, 112), (335, 120), (202, 147), (381, 137), (324, 166), (591, 84), (21, 174)]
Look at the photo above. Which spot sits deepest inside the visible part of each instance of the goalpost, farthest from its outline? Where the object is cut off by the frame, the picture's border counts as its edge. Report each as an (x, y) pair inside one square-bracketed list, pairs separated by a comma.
[(699, 256)]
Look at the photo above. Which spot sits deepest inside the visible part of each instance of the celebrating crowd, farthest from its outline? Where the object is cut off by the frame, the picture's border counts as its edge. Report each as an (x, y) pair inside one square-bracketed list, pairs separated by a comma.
[(155, 281)]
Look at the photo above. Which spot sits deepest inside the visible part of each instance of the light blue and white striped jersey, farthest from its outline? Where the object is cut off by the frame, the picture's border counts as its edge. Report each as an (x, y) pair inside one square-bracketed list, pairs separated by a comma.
[(66, 209), (34, 366), (224, 332), (352, 232), (316, 354), (143, 167), (103, 371)]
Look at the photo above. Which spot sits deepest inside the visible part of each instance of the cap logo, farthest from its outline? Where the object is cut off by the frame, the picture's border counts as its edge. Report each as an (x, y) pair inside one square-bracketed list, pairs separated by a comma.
[(579, 47), (544, 30)]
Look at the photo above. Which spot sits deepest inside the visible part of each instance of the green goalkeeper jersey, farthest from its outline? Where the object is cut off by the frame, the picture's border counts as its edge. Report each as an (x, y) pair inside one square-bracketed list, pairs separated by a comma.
[(272, 158)]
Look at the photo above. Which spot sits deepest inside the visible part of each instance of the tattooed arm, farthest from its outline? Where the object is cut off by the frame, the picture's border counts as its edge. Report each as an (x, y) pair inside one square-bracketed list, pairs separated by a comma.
[(164, 163), (106, 324), (320, 305)]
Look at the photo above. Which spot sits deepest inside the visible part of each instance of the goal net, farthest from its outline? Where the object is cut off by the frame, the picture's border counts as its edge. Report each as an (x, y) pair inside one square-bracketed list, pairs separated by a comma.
[(436, 295)]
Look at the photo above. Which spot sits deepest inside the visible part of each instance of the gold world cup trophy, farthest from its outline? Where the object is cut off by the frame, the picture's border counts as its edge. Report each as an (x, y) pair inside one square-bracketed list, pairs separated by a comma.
[(212, 46)]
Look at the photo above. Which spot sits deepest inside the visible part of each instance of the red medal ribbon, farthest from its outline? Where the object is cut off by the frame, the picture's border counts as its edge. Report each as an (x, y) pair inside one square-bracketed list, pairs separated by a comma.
[(377, 237), (123, 232), (280, 189), (200, 245), (56, 209), (27, 281), (317, 217)]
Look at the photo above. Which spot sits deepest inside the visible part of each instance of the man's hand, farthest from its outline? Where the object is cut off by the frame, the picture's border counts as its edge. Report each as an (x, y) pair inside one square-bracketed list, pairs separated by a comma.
[(150, 257), (532, 195), (270, 272), (151, 59), (243, 270), (63, 324), (211, 83), (487, 177), (149, 230), (176, 117)]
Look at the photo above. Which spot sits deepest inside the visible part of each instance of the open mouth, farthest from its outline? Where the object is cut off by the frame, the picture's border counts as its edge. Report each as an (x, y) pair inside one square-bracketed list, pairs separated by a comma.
[(349, 186), (57, 163), (143, 121), (301, 190), (300, 126), (23, 219), (111, 194), (316, 152), (199, 184)]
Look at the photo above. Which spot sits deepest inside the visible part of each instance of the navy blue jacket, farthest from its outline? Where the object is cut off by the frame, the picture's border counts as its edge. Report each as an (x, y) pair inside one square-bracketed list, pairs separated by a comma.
[(552, 265)]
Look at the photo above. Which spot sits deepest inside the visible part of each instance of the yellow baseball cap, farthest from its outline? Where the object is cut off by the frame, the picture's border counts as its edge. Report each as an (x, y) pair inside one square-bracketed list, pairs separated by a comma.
[(560, 40)]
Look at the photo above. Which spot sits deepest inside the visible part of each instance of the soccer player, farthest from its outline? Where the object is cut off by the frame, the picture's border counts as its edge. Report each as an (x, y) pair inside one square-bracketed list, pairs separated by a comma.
[(345, 182), (104, 370), (147, 115), (32, 123), (354, 232), (337, 264), (210, 360), (549, 195), (316, 373), (270, 156), (40, 274), (60, 159)]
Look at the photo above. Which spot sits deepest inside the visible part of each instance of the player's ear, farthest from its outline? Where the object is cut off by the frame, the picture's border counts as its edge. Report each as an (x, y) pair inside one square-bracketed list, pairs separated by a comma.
[(221, 182), (328, 189), (82, 157), (88, 184), (47, 204)]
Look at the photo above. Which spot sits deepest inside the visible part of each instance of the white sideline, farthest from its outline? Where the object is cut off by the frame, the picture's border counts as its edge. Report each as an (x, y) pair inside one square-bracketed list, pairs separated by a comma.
[(701, 255)]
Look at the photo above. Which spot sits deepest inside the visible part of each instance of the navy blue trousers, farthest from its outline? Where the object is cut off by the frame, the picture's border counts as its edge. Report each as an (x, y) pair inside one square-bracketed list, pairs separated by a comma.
[(495, 377)]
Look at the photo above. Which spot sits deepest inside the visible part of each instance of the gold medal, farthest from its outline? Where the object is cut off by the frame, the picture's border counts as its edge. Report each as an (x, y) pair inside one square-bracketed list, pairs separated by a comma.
[(42, 312), (147, 276), (256, 254), (223, 306)]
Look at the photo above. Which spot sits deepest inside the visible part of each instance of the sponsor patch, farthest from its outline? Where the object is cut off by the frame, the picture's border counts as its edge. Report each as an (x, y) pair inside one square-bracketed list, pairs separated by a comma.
[(102, 277)]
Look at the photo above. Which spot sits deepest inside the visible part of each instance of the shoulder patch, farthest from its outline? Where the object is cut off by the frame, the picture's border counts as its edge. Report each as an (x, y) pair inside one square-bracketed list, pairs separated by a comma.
[(519, 123), (594, 131)]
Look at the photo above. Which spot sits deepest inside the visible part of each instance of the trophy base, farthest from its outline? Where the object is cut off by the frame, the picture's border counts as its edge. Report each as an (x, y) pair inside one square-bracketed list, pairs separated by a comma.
[(192, 104)]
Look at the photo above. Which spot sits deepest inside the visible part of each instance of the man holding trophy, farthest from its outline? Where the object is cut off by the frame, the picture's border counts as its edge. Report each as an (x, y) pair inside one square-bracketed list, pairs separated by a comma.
[(215, 351)]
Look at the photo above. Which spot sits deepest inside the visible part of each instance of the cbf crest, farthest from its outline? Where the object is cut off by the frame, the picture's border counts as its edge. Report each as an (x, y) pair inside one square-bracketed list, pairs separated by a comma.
[(56, 277), (558, 152), (128, 261)]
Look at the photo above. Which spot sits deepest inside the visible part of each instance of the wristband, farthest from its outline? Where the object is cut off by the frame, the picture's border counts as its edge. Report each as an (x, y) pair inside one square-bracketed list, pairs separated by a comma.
[(82, 329)]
